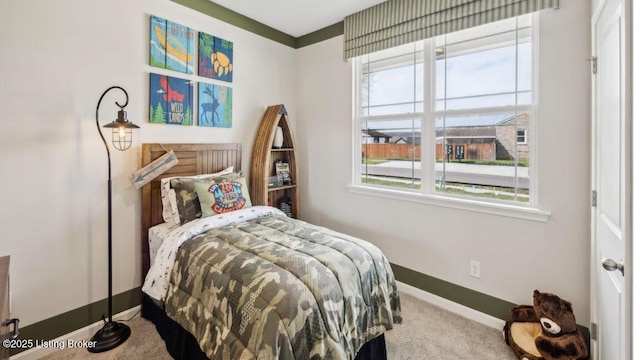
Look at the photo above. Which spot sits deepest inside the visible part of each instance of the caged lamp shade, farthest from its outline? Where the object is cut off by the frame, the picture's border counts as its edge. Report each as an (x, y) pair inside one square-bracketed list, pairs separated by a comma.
[(121, 134)]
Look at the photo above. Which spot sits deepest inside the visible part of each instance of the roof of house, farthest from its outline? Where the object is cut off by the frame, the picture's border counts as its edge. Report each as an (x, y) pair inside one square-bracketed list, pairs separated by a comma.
[(473, 120), (468, 132), (475, 126), (377, 133)]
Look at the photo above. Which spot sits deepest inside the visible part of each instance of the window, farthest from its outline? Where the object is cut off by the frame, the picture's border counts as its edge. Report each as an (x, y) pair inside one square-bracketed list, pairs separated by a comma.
[(522, 136), (449, 116)]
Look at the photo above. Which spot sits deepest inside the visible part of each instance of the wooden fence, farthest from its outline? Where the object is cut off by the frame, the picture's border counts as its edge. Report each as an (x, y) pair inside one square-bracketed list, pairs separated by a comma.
[(481, 151), (391, 151)]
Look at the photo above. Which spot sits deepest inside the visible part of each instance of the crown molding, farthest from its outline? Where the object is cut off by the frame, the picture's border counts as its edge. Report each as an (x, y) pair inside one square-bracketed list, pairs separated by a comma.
[(222, 13)]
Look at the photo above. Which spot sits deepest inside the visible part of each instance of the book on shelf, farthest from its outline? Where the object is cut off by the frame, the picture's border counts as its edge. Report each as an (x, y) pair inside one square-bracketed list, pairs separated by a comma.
[(286, 206)]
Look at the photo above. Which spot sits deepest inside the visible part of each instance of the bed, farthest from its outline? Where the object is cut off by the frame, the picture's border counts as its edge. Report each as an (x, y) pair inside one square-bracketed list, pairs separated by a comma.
[(253, 283)]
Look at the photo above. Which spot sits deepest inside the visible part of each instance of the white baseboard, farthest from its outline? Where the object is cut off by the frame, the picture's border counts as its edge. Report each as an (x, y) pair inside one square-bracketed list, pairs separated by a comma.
[(81, 334), (452, 306)]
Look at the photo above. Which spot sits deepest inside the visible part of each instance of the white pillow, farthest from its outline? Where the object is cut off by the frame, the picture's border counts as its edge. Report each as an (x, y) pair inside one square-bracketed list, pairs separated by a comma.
[(169, 204)]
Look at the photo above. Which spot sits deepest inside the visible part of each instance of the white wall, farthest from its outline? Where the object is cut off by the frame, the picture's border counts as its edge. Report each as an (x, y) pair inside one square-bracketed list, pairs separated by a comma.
[(57, 59), (517, 256)]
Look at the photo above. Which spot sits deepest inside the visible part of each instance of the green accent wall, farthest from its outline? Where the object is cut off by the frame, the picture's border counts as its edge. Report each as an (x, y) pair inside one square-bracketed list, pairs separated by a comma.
[(231, 17), (320, 35), (75, 319), (470, 298)]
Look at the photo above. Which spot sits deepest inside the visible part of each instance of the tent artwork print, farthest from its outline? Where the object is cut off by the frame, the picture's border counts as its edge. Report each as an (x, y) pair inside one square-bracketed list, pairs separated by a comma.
[(172, 46), (215, 58), (170, 100), (214, 104)]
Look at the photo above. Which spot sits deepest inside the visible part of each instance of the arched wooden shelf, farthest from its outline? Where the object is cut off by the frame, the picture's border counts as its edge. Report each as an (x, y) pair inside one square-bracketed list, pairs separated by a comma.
[(265, 156)]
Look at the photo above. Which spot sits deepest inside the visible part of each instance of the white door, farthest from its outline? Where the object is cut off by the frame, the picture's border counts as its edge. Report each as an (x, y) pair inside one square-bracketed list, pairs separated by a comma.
[(611, 214)]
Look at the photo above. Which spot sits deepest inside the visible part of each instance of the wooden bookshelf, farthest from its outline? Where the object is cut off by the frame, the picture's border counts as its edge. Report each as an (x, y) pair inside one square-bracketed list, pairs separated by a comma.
[(265, 156)]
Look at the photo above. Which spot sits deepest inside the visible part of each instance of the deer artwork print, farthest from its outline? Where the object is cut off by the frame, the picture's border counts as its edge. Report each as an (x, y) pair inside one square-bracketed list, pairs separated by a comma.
[(208, 112)]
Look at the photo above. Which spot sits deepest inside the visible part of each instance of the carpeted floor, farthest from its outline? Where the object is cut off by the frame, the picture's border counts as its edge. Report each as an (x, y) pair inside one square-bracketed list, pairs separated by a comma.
[(427, 332)]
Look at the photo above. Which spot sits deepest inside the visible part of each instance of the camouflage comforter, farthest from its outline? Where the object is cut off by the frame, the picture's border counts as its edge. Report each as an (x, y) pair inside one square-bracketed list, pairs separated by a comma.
[(279, 288)]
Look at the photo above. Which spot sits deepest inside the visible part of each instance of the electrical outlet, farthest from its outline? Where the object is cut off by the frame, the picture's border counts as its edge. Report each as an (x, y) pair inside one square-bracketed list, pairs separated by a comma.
[(475, 269)]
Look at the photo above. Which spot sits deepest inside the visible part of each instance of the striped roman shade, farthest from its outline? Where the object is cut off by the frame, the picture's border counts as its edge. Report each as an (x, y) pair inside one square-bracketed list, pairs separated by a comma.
[(396, 22)]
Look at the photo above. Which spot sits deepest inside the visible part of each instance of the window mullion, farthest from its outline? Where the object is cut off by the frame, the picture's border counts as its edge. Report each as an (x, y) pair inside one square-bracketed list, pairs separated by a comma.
[(391, 116), (516, 184), (427, 140), (357, 124), (484, 110), (532, 133)]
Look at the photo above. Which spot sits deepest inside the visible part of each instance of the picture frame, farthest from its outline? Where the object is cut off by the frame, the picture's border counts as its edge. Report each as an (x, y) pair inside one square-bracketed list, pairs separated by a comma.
[(170, 100), (215, 57), (214, 105), (282, 169), (274, 181), (172, 45)]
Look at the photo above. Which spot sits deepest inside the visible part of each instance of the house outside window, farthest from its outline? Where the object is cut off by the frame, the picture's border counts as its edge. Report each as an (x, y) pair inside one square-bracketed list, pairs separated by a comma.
[(450, 116)]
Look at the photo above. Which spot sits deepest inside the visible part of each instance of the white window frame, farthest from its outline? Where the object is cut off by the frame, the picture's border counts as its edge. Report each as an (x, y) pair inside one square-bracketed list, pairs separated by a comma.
[(525, 135), (427, 194)]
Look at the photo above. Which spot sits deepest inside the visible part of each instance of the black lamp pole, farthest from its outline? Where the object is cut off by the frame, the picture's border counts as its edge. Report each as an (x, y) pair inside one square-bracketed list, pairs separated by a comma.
[(112, 333)]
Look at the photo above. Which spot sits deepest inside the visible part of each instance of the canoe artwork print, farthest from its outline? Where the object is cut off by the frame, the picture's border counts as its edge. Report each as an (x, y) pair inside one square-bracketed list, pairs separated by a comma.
[(172, 46)]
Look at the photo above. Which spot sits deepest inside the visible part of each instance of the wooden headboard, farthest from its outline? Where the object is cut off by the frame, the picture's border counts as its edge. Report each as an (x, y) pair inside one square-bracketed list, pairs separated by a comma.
[(193, 159)]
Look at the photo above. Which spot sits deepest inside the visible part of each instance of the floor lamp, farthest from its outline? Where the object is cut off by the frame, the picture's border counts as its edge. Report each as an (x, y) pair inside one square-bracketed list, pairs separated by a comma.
[(113, 333)]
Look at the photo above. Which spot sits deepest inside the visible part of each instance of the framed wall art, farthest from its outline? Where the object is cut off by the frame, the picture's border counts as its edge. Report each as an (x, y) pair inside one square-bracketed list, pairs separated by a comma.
[(214, 105), (172, 46), (170, 100), (215, 57)]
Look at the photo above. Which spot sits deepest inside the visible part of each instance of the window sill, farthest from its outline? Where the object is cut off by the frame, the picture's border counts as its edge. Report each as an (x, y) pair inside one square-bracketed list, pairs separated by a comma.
[(513, 211)]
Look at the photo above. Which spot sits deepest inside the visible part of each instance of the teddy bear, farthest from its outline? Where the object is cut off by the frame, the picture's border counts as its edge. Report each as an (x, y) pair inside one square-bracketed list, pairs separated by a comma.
[(547, 330)]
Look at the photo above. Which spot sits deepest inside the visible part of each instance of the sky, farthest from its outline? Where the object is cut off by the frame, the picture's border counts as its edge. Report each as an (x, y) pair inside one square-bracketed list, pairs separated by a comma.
[(477, 77)]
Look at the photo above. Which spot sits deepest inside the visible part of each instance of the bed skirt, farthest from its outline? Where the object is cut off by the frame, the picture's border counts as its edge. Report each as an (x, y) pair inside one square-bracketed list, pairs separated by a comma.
[(182, 345)]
